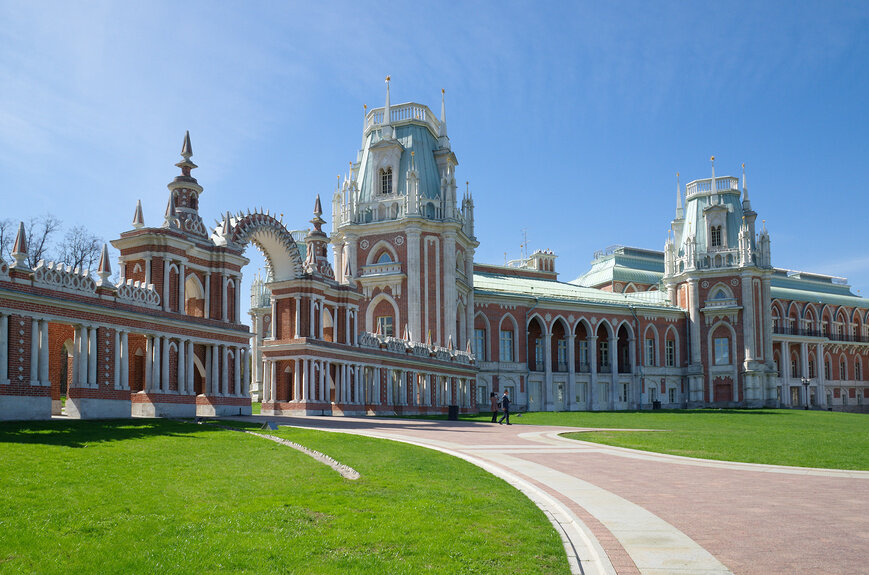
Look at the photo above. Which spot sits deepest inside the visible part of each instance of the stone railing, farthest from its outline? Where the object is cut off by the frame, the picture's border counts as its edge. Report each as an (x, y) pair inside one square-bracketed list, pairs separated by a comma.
[(397, 345), (403, 113), (725, 184), (138, 293), (63, 277), (381, 269)]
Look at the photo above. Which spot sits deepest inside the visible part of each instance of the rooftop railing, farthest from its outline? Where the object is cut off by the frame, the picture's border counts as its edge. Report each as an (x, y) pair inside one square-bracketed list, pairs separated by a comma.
[(724, 184), (403, 113)]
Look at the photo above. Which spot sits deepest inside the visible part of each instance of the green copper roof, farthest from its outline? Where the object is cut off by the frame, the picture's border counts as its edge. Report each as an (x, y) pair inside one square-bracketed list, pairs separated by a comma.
[(802, 286), (551, 290), (413, 138), (624, 264)]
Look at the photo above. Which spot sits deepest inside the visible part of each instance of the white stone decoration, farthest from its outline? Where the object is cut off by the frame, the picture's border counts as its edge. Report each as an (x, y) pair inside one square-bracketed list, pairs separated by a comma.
[(139, 294), (60, 276)]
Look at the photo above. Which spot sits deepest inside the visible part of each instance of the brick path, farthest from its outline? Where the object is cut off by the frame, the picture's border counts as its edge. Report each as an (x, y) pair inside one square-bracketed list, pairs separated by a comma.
[(627, 512)]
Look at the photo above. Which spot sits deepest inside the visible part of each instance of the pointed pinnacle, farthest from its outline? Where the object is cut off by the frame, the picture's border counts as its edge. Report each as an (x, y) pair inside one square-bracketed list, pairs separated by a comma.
[(20, 246), (105, 265), (138, 218), (187, 149)]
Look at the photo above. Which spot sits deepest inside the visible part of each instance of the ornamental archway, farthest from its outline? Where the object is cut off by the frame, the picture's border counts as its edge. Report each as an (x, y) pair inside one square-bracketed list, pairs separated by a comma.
[(270, 236)]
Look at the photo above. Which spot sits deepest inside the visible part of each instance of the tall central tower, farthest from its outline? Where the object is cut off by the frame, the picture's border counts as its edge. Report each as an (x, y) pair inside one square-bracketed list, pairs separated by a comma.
[(399, 232), (719, 270)]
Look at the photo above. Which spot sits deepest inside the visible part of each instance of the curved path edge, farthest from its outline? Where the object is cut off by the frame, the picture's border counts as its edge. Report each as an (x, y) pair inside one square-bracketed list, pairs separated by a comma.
[(585, 555)]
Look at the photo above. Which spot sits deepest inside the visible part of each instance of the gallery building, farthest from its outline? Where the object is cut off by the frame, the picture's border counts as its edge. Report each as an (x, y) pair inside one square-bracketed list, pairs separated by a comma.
[(390, 312)]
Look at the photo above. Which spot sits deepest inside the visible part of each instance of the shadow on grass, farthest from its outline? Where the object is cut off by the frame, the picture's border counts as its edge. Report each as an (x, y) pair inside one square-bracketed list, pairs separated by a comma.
[(79, 434)]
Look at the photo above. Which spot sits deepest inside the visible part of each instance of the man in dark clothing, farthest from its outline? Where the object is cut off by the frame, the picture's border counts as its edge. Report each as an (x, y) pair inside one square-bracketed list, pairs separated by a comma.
[(493, 399), (505, 405)]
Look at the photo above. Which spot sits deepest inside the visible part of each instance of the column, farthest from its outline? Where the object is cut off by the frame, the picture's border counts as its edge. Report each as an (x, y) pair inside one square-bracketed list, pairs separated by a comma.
[(148, 271), (614, 371), (149, 362), (273, 380), (322, 317), (297, 380), (355, 326), (182, 367), (207, 304), (311, 332), (237, 318), (92, 357), (43, 353), (224, 309), (306, 377), (449, 274), (324, 365), (4, 349), (634, 389), (592, 371), (571, 371), (206, 385), (117, 381), (819, 365), (224, 371), (414, 303), (267, 382), (164, 365), (166, 284), (298, 327), (190, 379), (214, 384), (804, 368), (274, 324), (245, 376), (376, 395), (181, 286), (236, 375), (34, 352), (694, 323), (548, 396), (125, 361), (155, 371), (785, 374), (347, 339), (748, 319)]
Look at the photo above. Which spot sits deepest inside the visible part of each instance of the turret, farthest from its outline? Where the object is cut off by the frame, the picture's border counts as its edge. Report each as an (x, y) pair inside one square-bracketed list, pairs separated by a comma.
[(443, 139), (468, 211), (386, 125), (412, 179), (19, 249), (317, 261), (138, 218), (184, 196)]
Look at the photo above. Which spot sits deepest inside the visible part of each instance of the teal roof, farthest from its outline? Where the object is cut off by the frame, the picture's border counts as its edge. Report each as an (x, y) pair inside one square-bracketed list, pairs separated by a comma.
[(695, 221), (624, 264), (814, 288), (414, 138), (551, 290)]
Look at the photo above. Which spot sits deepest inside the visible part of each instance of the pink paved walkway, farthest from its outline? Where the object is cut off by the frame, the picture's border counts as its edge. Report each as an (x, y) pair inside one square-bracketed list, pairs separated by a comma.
[(661, 514)]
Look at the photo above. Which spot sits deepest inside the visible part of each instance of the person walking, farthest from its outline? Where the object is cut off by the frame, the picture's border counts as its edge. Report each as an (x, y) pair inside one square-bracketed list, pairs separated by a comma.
[(505, 405), (493, 400)]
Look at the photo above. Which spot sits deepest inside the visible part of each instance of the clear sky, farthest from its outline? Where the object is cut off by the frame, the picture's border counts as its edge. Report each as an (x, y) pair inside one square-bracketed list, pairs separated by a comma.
[(569, 119)]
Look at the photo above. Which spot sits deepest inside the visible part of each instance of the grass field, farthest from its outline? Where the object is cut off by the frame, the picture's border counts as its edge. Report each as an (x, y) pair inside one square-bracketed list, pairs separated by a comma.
[(156, 496), (825, 439)]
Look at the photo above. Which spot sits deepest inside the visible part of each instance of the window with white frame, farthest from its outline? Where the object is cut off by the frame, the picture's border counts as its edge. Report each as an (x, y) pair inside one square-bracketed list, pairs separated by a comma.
[(671, 395), (506, 351), (722, 351), (670, 349), (538, 353), (583, 355), (480, 344), (650, 351), (843, 370), (603, 346), (715, 237), (384, 325), (386, 181), (562, 354)]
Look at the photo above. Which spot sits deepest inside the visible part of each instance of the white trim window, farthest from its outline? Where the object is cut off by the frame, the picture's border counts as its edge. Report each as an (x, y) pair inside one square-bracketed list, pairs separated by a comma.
[(722, 351)]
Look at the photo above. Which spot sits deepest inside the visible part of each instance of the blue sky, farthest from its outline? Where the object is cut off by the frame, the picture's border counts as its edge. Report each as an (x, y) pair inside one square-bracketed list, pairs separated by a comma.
[(569, 119)]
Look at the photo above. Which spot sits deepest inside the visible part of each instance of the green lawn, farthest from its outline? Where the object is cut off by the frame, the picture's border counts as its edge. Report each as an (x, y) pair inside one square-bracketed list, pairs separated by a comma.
[(778, 436), (156, 496)]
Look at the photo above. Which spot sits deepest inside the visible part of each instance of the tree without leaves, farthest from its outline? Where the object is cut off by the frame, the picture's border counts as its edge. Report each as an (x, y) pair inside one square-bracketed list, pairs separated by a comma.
[(7, 239), (80, 249), (40, 230)]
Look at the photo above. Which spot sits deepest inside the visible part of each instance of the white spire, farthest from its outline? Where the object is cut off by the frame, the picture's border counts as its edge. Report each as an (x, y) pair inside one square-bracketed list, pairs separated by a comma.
[(443, 114), (679, 212), (387, 127), (19, 248), (138, 219), (104, 270), (746, 202)]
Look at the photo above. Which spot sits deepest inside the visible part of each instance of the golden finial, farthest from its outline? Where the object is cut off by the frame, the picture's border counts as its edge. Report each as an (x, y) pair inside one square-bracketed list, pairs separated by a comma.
[(743, 165), (364, 106), (677, 174), (443, 91), (387, 78), (412, 153), (712, 159)]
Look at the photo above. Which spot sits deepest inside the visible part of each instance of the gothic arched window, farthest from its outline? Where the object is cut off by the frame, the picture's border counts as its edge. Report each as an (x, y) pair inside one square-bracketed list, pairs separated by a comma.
[(386, 181), (715, 237)]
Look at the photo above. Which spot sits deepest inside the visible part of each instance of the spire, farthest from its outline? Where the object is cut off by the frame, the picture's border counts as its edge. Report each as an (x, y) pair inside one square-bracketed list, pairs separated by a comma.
[(468, 348), (227, 227), (387, 126), (450, 346), (104, 270), (679, 212), (746, 203), (171, 220), (19, 248), (186, 152), (443, 126), (138, 219), (713, 187)]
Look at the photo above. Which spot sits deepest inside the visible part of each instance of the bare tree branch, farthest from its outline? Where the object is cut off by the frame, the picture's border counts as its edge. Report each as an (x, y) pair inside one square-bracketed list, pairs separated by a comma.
[(7, 238), (40, 230), (80, 249)]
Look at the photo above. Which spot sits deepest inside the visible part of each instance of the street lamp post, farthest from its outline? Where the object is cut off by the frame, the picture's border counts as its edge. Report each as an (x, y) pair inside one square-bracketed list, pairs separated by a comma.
[(806, 381)]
